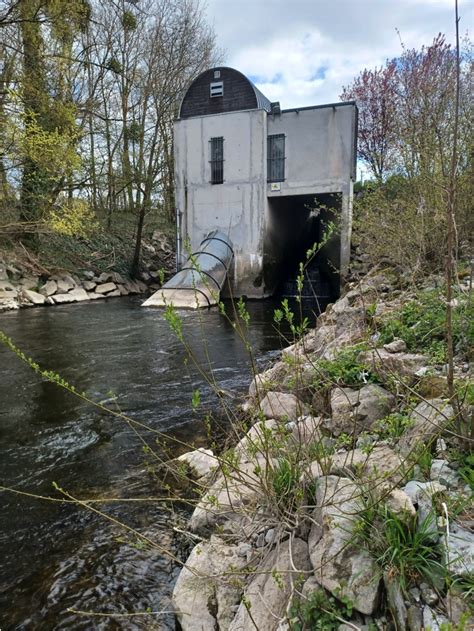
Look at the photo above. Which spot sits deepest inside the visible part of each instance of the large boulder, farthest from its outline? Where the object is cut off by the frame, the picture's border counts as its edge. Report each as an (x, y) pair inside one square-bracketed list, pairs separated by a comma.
[(105, 288), (380, 465), (232, 497), (49, 288), (355, 411), (33, 296), (282, 406), (268, 593), (208, 588), (340, 565), (386, 364), (459, 551), (429, 419)]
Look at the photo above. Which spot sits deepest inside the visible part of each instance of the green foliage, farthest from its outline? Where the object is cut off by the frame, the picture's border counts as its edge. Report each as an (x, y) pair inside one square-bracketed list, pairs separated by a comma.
[(285, 480), (392, 426), (196, 400), (465, 462), (74, 218), (319, 612), (421, 324), (406, 550), (344, 370)]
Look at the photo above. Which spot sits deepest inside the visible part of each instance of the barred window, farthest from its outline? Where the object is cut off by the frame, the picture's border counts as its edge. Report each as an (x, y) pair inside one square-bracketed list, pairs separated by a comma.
[(276, 158), (217, 160)]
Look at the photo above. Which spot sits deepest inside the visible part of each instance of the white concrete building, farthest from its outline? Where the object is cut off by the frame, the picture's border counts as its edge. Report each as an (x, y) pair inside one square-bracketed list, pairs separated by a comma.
[(266, 177)]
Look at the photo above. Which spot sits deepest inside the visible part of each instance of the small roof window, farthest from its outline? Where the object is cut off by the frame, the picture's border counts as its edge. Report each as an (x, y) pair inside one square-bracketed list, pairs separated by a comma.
[(217, 89)]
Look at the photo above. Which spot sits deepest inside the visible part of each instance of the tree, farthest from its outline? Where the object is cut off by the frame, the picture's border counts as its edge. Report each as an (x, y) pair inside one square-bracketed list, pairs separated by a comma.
[(375, 93)]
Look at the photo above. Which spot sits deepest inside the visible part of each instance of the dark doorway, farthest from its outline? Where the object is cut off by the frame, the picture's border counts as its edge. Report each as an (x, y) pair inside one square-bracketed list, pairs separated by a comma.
[(295, 224)]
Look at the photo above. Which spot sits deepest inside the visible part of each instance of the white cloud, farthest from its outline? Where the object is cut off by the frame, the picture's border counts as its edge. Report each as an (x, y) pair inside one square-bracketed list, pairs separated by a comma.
[(302, 52)]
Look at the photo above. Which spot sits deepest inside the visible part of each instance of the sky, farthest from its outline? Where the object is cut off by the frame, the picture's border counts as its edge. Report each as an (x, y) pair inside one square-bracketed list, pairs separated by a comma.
[(302, 52)]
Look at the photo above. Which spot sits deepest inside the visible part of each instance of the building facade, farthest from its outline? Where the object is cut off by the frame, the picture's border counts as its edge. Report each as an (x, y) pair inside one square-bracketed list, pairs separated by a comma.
[(268, 178)]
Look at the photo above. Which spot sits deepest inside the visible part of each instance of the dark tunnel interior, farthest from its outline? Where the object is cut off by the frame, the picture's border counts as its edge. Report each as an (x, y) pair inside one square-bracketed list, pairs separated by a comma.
[(295, 224)]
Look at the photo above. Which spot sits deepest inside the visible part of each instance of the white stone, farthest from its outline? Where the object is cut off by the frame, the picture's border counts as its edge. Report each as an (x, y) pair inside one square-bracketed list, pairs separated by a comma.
[(113, 294), (105, 288), (49, 288), (89, 285), (281, 406), (79, 294), (201, 461), (429, 418), (33, 296), (397, 346), (442, 472), (268, 593), (65, 283), (30, 282), (208, 584), (459, 551), (63, 298), (339, 564), (355, 411)]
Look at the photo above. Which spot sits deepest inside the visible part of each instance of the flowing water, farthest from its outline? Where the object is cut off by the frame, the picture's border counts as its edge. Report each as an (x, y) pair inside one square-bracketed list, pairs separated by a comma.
[(56, 558)]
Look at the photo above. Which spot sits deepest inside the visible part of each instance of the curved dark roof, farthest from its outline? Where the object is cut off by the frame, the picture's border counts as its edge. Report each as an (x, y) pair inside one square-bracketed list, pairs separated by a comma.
[(239, 94)]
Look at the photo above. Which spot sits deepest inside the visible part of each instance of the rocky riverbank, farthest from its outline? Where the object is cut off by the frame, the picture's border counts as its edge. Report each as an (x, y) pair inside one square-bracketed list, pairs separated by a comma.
[(18, 290), (345, 501), (59, 275)]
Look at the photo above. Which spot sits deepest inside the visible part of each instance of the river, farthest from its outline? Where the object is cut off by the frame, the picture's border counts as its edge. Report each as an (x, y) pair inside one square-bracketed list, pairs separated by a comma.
[(56, 557)]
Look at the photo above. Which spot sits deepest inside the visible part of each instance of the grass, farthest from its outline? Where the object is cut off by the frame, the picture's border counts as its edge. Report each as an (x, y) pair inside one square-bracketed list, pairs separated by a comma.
[(421, 324), (404, 549)]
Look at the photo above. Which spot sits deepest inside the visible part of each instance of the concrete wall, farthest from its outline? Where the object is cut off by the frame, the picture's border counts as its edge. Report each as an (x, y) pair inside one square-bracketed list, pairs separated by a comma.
[(237, 207), (319, 149), (320, 158)]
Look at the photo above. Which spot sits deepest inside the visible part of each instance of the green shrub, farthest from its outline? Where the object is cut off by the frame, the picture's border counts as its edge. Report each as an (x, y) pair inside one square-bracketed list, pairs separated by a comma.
[(421, 324), (344, 370), (319, 612)]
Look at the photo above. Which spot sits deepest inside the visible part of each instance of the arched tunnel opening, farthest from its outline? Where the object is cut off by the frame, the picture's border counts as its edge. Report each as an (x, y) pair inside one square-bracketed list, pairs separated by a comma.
[(295, 224)]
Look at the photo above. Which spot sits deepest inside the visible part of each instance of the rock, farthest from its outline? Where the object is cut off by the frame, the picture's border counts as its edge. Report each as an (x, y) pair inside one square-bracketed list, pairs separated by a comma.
[(3, 272), (421, 494), (49, 288), (94, 296), (385, 364), (415, 618), (7, 289), (62, 298), (433, 386), (204, 597), (141, 286), (89, 285), (428, 594), (268, 592), (33, 296), (123, 290), (459, 551), (281, 406), (104, 277), (231, 497), (442, 472), (381, 463), (105, 288), (341, 566), (355, 411), (62, 287), (307, 430), (88, 275), (429, 418), (113, 294), (433, 621), (78, 294), (400, 504), (256, 438), (457, 606), (200, 461), (29, 282), (131, 287), (396, 602), (397, 346)]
